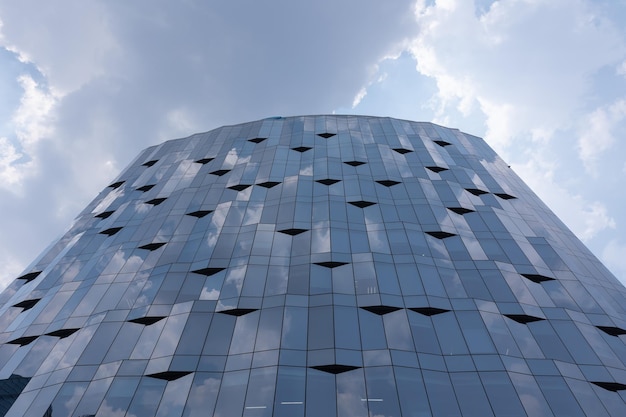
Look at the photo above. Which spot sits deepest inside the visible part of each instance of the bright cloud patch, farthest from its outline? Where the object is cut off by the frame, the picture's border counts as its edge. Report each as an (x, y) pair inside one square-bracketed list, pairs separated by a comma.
[(520, 62), (598, 133)]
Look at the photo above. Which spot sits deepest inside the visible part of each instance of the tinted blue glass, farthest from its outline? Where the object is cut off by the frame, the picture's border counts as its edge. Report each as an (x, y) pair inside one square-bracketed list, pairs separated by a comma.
[(316, 265)]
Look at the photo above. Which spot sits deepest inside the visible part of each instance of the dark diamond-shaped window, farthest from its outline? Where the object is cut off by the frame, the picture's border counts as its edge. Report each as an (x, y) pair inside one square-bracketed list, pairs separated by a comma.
[(256, 140), (292, 232), (388, 183), (331, 264), (442, 143), (23, 341), (208, 271), (611, 386), (111, 231), (30, 276), (537, 278), (268, 184), (429, 311), (437, 169), (505, 196), (150, 163), (326, 135), (476, 191), (148, 320), (354, 163), (145, 188), (200, 213), (402, 150), (204, 160), (169, 375), (156, 201), (361, 203), (328, 181), (460, 210), (27, 304), (335, 368), (105, 214), (62, 333), (440, 234), (116, 184), (238, 311), (152, 246), (301, 149), (220, 172), (239, 187), (613, 331), (523, 318), (381, 310)]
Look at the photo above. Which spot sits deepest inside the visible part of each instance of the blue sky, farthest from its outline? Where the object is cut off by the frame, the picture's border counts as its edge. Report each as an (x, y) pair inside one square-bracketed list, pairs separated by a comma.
[(85, 86)]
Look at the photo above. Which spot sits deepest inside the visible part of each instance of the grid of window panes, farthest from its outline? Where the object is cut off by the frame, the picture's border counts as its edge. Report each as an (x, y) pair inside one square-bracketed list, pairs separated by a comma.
[(315, 266)]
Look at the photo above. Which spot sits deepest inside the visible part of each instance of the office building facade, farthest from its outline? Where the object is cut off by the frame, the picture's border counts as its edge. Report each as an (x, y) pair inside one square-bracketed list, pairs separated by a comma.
[(315, 266)]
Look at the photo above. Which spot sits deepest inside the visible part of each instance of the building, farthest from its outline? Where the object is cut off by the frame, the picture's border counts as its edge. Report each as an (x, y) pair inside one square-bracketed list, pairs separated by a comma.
[(315, 266)]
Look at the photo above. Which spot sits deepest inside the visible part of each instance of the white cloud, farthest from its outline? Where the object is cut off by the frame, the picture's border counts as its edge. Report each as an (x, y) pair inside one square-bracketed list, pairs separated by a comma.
[(9, 173), (32, 122), (614, 257), (585, 218), (34, 117), (596, 135), (523, 63)]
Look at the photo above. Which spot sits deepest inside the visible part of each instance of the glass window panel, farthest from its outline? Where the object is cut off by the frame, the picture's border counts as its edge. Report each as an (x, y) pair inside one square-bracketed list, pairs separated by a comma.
[(124, 343), (290, 392), (93, 397), (245, 333), (440, 394), (471, 395), (269, 329), (387, 279), (431, 280), (343, 280), (321, 394), (294, 335), (530, 394), (203, 394), (194, 335), (397, 330), (591, 404), (119, 396), (321, 332), (170, 336), (476, 335), (346, 328), (559, 396), (372, 330), (550, 343), (576, 343), (382, 396), (500, 334), (143, 402), (173, 400), (230, 401), (449, 335), (502, 396), (365, 278), (260, 394), (68, 397), (351, 394), (101, 340), (358, 241), (497, 285), (220, 334), (409, 278)]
